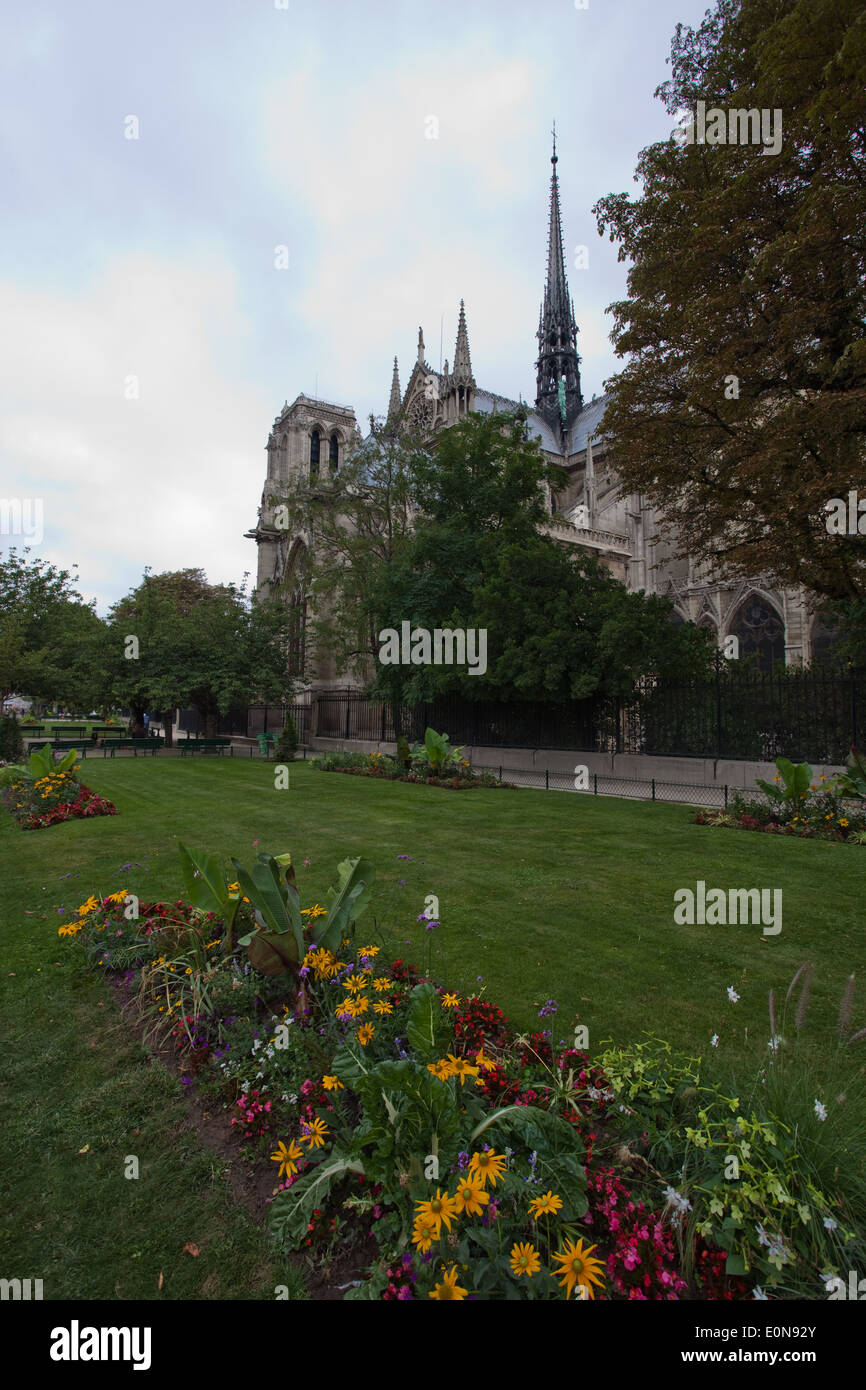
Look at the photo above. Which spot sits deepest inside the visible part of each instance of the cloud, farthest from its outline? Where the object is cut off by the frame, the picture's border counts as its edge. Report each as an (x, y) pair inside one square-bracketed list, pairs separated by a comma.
[(168, 478)]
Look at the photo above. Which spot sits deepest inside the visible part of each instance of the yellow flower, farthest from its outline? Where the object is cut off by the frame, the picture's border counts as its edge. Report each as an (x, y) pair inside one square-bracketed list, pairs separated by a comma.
[(382, 1006), (441, 1069), (487, 1165), (354, 985), (449, 1288), (525, 1259), (424, 1233), (316, 1133), (362, 1004), (440, 1209), (470, 1197), (365, 1033), (843, 821), (485, 1063), (88, 907), (450, 1001), (381, 983), (314, 911), (287, 1157), (369, 951), (578, 1267), (460, 1067), (332, 1083), (347, 1006), (548, 1205)]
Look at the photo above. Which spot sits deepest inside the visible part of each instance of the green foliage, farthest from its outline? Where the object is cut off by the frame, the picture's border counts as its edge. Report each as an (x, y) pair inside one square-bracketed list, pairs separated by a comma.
[(404, 756), (439, 751), (206, 887), (49, 637), (426, 1032), (41, 762), (797, 782), (287, 744), (11, 742), (740, 257), (852, 782), (205, 646)]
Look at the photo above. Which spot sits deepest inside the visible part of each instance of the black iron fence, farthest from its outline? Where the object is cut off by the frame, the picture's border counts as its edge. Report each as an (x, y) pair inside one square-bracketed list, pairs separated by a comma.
[(248, 720), (812, 715)]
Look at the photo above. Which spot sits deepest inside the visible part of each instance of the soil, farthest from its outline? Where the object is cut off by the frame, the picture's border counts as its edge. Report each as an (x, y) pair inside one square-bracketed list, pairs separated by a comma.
[(251, 1184)]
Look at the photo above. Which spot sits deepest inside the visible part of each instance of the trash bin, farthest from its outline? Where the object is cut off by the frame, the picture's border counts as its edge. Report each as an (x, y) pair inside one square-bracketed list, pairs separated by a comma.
[(263, 744)]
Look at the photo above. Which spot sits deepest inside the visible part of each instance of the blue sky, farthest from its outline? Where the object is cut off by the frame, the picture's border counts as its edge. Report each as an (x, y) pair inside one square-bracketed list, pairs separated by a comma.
[(306, 127)]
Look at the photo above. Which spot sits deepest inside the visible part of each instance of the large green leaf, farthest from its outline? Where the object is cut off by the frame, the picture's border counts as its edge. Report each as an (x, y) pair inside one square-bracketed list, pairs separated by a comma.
[(271, 953), (346, 902), (424, 1025), (204, 880), (276, 903), (291, 1210)]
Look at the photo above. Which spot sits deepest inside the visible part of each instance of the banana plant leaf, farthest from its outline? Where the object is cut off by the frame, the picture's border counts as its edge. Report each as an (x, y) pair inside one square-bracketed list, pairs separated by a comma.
[(346, 902)]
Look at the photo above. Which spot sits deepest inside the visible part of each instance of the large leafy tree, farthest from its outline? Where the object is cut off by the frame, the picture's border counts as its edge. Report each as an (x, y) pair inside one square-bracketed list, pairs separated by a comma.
[(49, 636), (199, 645), (742, 410), (558, 625)]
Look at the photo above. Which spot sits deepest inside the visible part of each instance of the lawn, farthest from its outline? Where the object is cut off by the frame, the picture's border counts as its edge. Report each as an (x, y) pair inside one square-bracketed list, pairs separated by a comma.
[(541, 895)]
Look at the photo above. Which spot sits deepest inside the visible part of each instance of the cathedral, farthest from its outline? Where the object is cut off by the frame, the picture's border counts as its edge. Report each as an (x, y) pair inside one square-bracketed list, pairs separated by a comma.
[(593, 512)]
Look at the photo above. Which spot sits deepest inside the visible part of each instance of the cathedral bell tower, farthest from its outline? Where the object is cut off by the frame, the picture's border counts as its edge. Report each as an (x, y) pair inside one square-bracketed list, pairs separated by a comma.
[(558, 397)]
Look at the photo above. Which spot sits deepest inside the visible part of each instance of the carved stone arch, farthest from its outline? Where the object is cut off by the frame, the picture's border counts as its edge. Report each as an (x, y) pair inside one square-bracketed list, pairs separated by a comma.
[(759, 625)]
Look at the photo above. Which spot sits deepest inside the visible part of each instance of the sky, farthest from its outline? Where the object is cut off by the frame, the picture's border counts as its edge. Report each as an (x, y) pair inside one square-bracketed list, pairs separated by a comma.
[(211, 206)]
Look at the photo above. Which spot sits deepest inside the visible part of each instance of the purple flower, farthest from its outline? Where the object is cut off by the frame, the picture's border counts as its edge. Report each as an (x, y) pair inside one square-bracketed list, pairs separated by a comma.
[(462, 1161), (304, 971), (405, 856), (549, 1008)]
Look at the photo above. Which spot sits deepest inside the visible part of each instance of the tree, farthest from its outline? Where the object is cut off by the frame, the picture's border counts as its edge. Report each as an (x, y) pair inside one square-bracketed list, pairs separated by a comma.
[(558, 625), (49, 637), (176, 640), (742, 410)]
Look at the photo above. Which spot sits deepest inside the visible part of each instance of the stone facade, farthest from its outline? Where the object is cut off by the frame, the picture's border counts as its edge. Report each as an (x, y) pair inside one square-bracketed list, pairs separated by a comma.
[(593, 512)]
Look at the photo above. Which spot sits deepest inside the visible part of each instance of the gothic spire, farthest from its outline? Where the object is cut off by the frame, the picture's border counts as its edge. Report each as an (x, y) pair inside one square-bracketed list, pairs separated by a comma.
[(396, 397), (462, 369), (557, 330)]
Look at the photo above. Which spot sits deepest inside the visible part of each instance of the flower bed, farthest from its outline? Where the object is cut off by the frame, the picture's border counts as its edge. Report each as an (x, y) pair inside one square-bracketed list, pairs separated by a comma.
[(439, 1152), (821, 817), (458, 776), (43, 793)]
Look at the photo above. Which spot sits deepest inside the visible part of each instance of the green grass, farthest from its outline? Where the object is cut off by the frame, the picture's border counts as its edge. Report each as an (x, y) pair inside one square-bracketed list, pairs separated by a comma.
[(542, 894)]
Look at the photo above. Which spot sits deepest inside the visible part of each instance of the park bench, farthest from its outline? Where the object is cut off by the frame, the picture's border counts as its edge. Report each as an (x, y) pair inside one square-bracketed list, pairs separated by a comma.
[(32, 730), (138, 745), (204, 745), (69, 730), (109, 731)]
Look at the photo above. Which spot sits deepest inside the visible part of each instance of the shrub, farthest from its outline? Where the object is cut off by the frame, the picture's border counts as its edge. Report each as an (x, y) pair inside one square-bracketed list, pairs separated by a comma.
[(11, 742), (287, 744)]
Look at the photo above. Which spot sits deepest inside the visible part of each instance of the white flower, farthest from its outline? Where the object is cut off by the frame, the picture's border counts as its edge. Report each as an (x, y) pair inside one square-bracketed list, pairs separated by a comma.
[(714, 1040), (758, 1293), (830, 1224), (775, 1043), (820, 1110), (733, 995)]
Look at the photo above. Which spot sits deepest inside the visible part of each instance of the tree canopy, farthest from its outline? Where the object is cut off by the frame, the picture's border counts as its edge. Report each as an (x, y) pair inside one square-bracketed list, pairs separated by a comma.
[(742, 408)]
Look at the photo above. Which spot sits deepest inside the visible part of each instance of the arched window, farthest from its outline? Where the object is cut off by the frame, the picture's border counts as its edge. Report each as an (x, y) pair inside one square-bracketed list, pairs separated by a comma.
[(760, 629), (315, 449), (333, 454)]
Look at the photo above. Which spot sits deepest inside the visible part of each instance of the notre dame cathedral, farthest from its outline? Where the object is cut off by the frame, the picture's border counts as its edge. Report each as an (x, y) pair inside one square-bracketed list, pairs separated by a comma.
[(593, 512)]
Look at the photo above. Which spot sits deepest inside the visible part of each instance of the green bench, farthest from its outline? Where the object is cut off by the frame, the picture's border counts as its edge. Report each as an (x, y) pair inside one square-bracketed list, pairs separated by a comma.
[(32, 730), (110, 731), (138, 745), (69, 730), (204, 745)]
